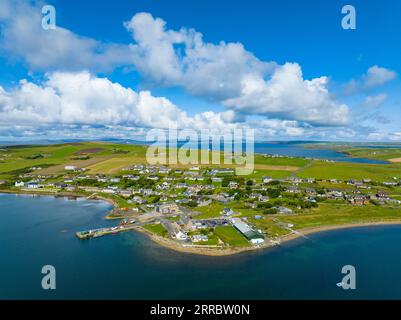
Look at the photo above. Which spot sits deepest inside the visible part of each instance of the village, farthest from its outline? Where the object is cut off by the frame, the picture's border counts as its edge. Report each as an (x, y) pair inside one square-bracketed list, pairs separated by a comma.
[(203, 207)]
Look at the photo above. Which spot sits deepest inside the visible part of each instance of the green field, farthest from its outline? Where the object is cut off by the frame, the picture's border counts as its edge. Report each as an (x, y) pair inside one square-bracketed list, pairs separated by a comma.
[(231, 236), (111, 158), (378, 154), (381, 152), (157, 229), (211, 211), (53, 158), (346, 171), (281, 161), (340, 214)]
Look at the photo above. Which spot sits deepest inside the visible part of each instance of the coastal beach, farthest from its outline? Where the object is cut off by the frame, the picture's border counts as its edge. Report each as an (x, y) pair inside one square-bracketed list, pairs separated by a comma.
[(201, 250)]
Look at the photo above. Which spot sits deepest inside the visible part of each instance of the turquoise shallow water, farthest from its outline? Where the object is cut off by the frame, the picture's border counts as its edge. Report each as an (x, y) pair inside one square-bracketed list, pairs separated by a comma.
[(36, 231)]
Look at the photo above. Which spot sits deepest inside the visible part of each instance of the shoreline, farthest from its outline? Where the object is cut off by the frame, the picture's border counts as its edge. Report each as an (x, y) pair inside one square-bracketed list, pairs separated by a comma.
[(207, 251), (60, 195), (347, 155), (172, 245)]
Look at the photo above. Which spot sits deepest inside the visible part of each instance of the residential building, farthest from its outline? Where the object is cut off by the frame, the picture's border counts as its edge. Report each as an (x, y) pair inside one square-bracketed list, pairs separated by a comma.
[(19, 184), (168, 208), (267, 179)]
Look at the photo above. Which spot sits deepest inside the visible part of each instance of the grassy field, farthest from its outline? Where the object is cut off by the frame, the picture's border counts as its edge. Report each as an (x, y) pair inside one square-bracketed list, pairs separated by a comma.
[(258, 174), (347, 170), (282, 161), (115, 164), (381, 152), (266, 224), (157, 229), (376, 153), (55, 157), (111, 158), (338, 214), (211, 211), (231, 236)]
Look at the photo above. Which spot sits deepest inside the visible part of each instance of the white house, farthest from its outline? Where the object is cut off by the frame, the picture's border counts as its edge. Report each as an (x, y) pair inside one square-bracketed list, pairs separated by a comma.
[(227, 212), (257, 241), (233, 185), (181, 236), (109, 191), (267, 179), (70, 168), (33, 185), (19, 184), (199, 238)]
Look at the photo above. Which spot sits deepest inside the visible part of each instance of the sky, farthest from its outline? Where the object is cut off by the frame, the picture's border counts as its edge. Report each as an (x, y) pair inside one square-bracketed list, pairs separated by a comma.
[(116, 69)]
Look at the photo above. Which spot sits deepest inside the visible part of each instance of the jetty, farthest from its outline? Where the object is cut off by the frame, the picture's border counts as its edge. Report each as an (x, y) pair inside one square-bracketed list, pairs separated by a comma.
[(96, 233)]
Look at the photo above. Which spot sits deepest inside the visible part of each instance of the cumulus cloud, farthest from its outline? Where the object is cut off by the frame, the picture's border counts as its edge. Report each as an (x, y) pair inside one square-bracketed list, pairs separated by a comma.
[(377, 76), (288, 95), (374, 77), (276, 127), (228, 73), (22, 36), (182, 58), (80, 98), (82, 106)]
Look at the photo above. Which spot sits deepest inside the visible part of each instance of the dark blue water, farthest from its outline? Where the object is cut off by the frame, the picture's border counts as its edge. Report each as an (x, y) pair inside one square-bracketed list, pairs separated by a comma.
[(40, 231)]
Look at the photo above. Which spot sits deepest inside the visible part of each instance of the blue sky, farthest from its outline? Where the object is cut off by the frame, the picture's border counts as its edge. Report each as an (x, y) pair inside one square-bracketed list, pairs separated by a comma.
[(118, 68)]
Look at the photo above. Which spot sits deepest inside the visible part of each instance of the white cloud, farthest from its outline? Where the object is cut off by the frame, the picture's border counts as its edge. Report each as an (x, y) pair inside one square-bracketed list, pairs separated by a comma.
[(223, 72), (22, 36), (378, 76), (276, 127), (182, 58), (286, 104), (375, 77), (80, 98), (375, 101), (80, 105), (228, 73), (395, 136), (288, 95)]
